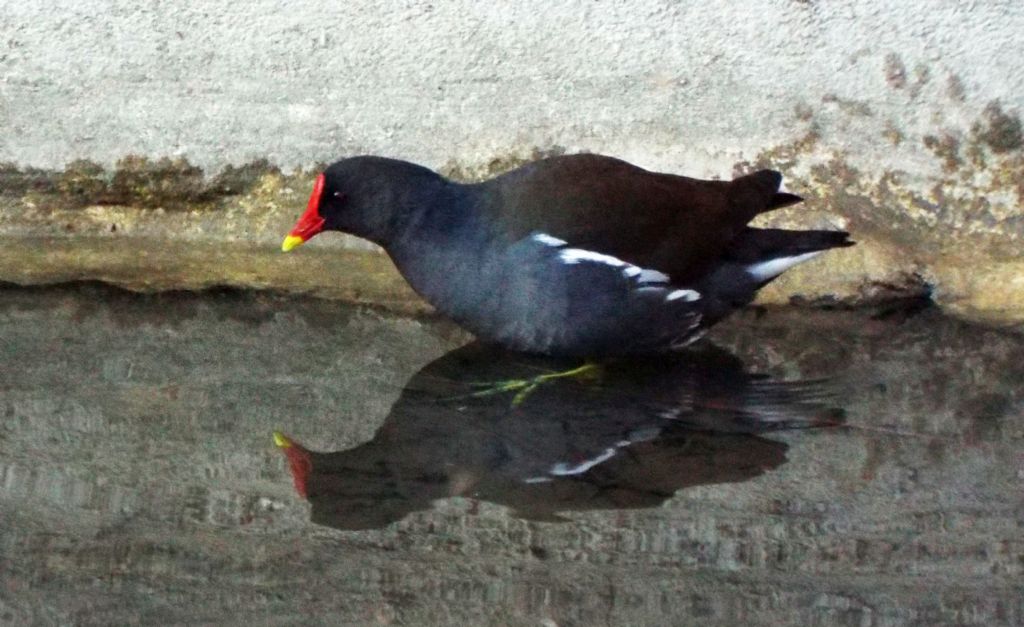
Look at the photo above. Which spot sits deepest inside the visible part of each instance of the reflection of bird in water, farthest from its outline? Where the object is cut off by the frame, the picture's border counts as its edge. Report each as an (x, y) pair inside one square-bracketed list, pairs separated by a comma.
[(627, 436)]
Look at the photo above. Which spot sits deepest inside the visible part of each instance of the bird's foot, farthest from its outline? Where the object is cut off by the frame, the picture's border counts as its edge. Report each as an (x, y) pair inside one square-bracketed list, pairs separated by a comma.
[(522, 388)]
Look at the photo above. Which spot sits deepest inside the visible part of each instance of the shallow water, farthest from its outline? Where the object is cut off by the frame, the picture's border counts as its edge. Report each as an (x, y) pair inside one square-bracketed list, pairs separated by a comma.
[(139, 481)]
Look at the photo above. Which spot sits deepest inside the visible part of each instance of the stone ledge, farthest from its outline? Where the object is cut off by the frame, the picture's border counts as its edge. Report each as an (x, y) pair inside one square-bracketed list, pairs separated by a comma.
[(182, 231), (150, 265)]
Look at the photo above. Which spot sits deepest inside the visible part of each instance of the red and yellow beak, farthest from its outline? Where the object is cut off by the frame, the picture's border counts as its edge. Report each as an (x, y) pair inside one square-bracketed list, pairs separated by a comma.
[(299, 461), (311, 221)]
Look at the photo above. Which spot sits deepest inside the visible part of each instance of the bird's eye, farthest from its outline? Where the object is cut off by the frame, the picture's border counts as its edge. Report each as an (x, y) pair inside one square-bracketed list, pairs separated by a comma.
[(339, 194)]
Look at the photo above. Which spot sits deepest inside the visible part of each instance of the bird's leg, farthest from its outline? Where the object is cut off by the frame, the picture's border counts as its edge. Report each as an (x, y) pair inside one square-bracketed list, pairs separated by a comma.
[(524, 387)]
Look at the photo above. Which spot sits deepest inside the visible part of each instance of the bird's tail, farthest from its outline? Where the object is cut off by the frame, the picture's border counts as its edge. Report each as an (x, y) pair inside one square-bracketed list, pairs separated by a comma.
[(755, 258), (753, 245), (767, 253)]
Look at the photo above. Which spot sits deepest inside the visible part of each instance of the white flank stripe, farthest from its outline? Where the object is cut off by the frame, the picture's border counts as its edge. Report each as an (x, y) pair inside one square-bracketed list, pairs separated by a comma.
[(687, 295), (653, 276), (576, 255), (561, 469), (573, 256), (537, 480), (774, 267), (547, 240)]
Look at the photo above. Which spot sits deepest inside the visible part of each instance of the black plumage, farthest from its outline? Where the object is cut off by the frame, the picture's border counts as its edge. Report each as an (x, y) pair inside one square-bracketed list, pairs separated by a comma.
[(574, 255)]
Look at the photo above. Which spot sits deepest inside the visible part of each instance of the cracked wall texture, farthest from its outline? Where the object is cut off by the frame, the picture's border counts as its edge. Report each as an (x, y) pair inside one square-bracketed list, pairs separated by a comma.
[(901, 122)]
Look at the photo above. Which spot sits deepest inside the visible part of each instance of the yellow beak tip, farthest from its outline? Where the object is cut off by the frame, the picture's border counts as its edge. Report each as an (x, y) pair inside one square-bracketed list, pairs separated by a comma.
[(281, 440), (291, 242)]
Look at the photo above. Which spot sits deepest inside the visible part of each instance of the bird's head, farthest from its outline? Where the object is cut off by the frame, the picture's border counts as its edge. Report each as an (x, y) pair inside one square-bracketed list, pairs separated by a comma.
[(366, 196)]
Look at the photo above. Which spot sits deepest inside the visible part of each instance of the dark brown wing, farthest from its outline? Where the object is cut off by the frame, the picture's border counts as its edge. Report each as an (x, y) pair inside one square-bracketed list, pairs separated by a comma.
[(675, 224)]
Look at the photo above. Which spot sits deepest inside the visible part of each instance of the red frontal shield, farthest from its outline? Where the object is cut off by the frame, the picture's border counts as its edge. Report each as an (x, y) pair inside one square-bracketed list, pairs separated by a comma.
[(311, 222)]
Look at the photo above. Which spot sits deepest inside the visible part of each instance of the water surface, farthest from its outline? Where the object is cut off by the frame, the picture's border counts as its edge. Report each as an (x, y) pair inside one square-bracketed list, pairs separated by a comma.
[(139, 481)]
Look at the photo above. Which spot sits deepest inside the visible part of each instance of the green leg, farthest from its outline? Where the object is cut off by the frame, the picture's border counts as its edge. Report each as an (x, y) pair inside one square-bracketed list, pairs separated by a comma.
[(524, 387)]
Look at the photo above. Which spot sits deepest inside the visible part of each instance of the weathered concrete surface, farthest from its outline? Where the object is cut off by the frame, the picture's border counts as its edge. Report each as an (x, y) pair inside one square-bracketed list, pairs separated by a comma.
[(139, 484), (157, 264), (664, 83), (898, 121), (52, 232)]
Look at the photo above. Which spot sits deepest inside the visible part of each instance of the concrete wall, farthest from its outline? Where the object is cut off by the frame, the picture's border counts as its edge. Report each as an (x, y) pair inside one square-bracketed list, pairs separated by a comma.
[(900, 121), (685, 85)]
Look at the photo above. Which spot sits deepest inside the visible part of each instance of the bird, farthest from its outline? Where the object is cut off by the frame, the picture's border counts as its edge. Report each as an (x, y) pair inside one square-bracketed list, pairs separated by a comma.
[(578, 255)]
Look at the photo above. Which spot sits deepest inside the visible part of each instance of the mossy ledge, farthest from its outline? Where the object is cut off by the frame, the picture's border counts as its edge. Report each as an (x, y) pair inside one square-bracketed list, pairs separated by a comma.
[(135, 181), (155, 224)]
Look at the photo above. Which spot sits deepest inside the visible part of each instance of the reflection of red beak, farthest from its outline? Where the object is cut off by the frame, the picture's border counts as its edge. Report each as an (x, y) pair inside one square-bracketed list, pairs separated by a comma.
[(299, 461), (311, 222)]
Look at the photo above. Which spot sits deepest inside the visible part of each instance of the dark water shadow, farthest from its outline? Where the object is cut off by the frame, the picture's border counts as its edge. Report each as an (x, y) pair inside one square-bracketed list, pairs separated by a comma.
[(627, 435)]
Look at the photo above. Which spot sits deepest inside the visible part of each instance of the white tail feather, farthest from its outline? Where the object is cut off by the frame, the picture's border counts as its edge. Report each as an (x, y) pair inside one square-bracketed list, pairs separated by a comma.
[(765, 270)]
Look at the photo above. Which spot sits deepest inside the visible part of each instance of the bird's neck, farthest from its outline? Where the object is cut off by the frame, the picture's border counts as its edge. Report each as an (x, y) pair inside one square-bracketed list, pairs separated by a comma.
[(428, 209), (442, 245), (411, 201)]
